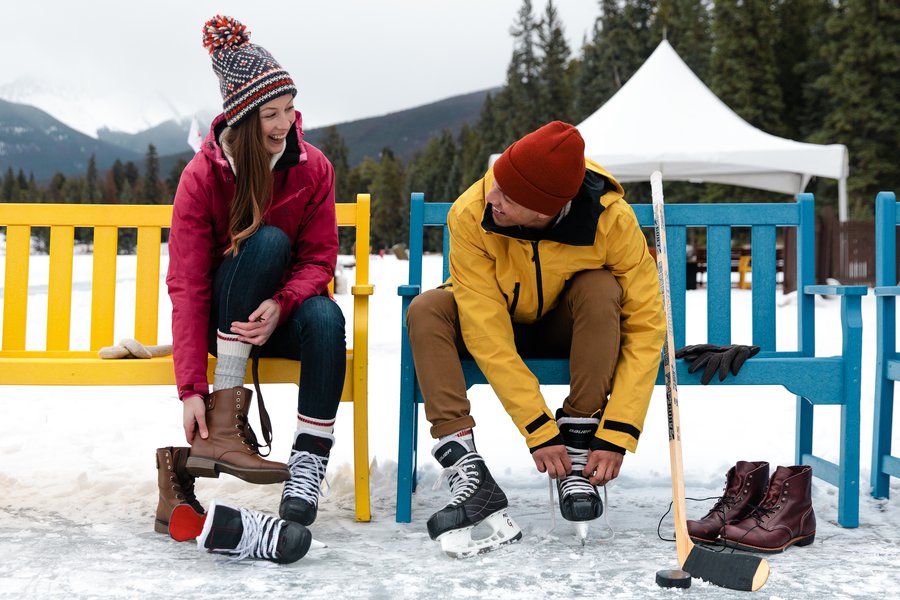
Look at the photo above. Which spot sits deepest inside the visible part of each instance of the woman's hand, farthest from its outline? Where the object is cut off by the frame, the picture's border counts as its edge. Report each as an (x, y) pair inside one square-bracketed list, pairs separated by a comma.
[(262, 323), (194, 418)]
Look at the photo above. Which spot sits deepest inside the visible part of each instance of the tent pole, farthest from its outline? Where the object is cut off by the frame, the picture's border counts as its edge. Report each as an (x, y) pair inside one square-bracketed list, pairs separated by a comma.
[(842, 200)]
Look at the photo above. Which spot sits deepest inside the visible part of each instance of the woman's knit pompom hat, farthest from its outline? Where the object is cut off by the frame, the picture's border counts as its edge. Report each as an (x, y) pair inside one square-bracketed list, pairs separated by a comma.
[(248, 75), (543, 170)]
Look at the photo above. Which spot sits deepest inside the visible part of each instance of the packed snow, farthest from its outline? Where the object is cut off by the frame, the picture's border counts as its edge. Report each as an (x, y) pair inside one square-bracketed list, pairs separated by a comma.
[(79, 483)]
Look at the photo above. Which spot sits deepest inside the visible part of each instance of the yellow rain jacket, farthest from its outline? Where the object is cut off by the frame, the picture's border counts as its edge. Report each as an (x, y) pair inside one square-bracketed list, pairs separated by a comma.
[(501, 275)]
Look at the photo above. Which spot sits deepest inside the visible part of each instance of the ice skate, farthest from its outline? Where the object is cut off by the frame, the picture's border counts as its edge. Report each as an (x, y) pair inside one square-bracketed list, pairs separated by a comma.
[(476, 499), (308, 462), (579, 500), (244, 533)]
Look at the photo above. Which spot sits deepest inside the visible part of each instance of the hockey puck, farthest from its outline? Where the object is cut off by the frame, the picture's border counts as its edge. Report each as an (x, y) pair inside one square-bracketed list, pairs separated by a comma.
[(673, 578)]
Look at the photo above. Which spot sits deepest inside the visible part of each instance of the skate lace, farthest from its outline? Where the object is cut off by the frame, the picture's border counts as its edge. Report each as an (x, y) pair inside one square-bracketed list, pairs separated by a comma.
[(575, 482), (307, 477), (260, 537), (462, 478)]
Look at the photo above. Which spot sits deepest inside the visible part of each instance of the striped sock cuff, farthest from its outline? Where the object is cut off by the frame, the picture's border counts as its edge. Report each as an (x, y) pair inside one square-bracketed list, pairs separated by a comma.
[(228, 343), (313, 424)]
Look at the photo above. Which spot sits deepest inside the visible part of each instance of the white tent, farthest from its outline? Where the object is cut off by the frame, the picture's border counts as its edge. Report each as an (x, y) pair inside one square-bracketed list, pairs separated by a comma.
[(664, 118)]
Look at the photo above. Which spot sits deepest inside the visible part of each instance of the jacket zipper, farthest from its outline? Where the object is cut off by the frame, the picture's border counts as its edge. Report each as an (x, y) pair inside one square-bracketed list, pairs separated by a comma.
[(515, 300), (537, 272)]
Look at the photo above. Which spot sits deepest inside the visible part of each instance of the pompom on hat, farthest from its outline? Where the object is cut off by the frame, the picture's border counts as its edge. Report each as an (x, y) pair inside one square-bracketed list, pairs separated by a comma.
[(543, 170), (248, 75)]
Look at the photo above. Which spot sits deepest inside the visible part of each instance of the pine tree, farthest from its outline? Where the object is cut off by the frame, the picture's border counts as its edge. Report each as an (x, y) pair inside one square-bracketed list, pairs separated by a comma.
[(334, 148), (686, 25), (801, 27), (91, 191), (471, 157), (864, 91), (8, 193), (55, 188), (517, 100), (556, 97), (744, 71), (175, 175), (388, 203), (150, 189)]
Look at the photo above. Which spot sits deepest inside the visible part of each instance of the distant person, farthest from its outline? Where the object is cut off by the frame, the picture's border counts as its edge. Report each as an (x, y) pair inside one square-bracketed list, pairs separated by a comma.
[(252, 249), (546, 260)]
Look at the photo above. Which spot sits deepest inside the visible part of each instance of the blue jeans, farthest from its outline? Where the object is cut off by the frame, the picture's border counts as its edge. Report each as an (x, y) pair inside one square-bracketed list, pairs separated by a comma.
[(314, 332)]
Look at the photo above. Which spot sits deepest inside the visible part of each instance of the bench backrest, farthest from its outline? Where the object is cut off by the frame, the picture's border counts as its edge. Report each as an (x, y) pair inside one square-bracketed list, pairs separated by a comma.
[(106, 220), (718, 220), (887, 219)]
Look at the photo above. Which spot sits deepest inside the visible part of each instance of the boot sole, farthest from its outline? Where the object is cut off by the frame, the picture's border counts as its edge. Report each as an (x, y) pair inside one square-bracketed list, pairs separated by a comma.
[(160, 526), (206, 467), (797, 541)]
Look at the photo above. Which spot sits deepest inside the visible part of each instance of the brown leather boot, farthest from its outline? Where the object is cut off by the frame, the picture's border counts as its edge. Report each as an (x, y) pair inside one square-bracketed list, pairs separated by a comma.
[(745, 486), (231, 446), (785, 516), (176, 485)]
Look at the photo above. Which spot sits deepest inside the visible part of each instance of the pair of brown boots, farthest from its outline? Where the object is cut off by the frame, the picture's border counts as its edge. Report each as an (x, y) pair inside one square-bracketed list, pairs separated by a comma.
[(231, 447), (757, 513)]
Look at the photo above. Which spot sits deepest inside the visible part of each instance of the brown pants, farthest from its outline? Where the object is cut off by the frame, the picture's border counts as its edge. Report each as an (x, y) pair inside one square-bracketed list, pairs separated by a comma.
[(583, 327)]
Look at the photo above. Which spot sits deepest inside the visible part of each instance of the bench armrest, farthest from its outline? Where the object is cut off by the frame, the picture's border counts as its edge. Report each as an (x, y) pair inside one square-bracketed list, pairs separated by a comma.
[(409, 290), (362, 290), (837, 290), (887, 290)]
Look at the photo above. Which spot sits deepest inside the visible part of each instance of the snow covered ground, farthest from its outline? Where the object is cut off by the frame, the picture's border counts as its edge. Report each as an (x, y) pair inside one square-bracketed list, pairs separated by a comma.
[(79, 485)]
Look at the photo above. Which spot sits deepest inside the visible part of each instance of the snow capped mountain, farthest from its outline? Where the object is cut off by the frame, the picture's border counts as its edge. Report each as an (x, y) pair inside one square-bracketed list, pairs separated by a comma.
[(89, 109)]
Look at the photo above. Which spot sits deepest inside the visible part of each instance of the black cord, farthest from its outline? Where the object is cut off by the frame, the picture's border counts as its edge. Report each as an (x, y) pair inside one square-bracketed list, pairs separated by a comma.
[(668, 510)]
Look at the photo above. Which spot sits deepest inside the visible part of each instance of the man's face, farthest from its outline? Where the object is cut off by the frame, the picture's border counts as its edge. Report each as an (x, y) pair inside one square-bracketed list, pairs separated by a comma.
[(507, 213)]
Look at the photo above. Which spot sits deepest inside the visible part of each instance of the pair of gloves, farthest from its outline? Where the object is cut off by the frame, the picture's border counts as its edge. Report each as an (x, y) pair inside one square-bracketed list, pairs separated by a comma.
[(716, 358)]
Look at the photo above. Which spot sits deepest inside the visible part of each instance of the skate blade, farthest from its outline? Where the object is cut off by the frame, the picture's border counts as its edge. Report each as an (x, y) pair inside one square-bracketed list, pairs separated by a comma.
[(185, 523), (581, 530), (459, 543)]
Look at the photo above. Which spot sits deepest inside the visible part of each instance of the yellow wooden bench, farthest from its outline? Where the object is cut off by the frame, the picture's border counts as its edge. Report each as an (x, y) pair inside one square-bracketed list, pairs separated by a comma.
[(57, 364)]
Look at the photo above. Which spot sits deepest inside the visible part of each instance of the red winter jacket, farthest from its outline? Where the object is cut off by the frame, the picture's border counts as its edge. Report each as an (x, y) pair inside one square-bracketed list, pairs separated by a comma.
[(302, 206)]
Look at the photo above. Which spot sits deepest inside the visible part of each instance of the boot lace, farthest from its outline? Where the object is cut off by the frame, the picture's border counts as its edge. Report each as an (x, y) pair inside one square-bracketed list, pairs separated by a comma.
[(722, 506), (462, 478), (260, 536), (248, 435), (575, 482), (307, 477)]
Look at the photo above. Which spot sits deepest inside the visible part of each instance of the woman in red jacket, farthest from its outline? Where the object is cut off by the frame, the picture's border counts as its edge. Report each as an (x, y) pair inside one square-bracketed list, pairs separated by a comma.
[(252, 248)]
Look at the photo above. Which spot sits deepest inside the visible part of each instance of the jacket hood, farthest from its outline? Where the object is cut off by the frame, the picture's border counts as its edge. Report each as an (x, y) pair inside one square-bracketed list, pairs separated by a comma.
[(295, 151)]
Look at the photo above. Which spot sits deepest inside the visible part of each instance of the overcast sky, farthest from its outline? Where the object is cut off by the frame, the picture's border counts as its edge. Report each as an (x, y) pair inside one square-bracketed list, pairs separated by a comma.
[(349, 58)]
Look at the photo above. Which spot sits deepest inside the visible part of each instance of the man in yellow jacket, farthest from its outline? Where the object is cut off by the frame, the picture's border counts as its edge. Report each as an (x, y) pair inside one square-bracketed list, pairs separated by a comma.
[(546, 260)]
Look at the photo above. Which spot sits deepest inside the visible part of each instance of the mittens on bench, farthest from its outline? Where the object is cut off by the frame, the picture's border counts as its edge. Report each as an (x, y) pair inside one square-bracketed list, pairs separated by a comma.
[(129, 348), (716, 358)]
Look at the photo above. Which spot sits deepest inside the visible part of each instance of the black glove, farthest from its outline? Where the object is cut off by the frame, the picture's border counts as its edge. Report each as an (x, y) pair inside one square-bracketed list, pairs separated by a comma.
[(716, 358)]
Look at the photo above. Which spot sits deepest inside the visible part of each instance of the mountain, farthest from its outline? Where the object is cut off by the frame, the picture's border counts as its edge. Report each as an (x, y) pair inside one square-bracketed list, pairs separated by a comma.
[(35, 142), (405, 131), (169, 137), (89, 108)]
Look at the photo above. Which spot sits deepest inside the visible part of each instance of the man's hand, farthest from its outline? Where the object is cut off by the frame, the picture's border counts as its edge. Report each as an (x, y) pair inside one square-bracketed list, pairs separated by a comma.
[(194, 418), (260, 325), (553, 460), (603, 466)]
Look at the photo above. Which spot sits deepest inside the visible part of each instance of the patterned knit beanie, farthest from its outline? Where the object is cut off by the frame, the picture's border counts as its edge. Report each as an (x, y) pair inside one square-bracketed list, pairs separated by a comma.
[(543, 170), (248, 75)]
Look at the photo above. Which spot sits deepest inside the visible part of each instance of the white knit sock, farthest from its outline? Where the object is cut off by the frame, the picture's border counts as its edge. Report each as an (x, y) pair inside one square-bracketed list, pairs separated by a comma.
[(231, 362), (464, 437), (312, 425)]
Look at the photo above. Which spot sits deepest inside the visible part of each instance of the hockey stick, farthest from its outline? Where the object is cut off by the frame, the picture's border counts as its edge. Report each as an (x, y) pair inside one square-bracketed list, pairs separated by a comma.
[(734, 571)]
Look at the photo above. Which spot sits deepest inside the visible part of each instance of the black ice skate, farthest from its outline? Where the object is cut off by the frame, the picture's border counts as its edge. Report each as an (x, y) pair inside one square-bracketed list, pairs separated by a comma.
[(579, 501), (476, 499), (245, 533), (309, 459)]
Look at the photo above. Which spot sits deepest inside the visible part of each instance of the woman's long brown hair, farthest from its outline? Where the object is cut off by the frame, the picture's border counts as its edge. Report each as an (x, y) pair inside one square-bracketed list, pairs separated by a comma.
[(253, 180)]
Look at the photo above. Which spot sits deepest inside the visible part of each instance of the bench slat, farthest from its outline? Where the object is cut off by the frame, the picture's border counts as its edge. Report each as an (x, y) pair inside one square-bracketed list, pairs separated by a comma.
[(59, 294), (15, 290), (103, 287), (718, 277), (677, 244), (146, 302), (763, 265)]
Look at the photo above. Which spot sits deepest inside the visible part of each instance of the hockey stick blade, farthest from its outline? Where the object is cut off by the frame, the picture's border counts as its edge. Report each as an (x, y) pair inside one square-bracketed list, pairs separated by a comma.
[(732, 571), (743, 572)]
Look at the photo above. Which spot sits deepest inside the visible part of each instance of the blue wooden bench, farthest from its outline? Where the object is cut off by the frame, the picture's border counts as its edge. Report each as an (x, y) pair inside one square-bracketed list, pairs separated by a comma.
[(887, 363), (815, 380)]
